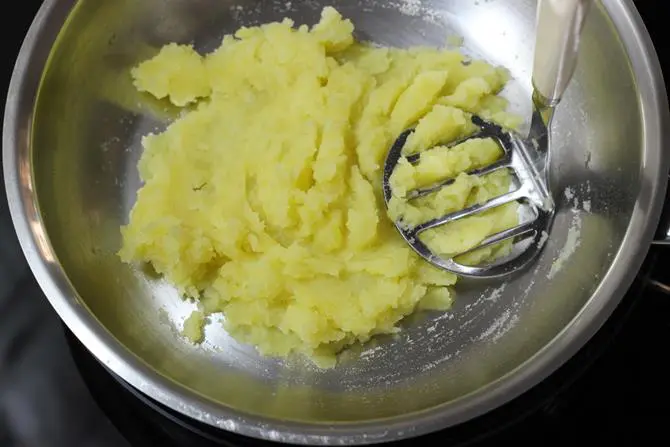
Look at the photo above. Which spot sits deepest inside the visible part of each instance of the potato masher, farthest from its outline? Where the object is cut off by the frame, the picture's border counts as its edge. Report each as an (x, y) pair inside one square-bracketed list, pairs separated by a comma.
[(558, 28)]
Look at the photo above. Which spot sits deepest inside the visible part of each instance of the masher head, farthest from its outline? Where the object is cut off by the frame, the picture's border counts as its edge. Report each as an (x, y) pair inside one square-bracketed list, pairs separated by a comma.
[(526, 158)]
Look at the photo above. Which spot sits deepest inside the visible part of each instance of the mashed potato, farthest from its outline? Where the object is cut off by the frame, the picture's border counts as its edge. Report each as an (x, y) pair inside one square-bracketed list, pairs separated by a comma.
[(263, 201)]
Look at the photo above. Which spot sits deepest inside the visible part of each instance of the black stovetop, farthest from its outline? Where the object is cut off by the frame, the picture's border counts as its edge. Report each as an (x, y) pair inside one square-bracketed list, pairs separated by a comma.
[(54, 394)]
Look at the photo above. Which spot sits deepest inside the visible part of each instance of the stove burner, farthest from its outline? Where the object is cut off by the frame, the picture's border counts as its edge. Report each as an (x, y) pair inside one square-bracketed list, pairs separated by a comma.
[(663, 234)]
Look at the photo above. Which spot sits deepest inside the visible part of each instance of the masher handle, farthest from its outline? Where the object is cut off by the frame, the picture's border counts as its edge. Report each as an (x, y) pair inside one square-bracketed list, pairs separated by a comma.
[(559, 25)]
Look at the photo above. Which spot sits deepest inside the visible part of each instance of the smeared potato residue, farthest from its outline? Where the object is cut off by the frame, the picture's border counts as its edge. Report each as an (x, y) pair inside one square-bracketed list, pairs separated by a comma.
[(264, 201)]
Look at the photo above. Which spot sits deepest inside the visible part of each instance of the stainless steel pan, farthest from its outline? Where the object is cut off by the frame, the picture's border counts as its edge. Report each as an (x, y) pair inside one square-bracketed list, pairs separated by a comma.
[(70, 148)]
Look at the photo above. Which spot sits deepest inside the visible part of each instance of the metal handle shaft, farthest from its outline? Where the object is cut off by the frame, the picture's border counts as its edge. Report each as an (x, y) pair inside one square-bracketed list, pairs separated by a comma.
[(559, 25)]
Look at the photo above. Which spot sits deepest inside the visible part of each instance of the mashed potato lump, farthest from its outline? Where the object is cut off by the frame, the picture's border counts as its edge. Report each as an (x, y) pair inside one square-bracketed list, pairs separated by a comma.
[(263, 201)]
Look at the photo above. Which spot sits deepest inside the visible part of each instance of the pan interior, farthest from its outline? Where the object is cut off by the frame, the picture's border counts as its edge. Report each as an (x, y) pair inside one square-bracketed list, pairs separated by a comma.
[(86, 144)]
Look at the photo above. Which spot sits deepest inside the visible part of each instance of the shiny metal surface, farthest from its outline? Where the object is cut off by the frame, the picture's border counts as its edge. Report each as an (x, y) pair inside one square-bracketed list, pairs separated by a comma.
[(527, 159), (69, 159), (559, 27)]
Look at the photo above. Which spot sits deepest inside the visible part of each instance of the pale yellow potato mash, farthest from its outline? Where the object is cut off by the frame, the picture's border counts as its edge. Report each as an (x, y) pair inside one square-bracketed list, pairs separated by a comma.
[(263, 201)]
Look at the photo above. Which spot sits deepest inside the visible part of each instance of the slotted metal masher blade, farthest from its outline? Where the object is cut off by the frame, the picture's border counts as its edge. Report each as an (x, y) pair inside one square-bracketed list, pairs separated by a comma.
[(559, 24)]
